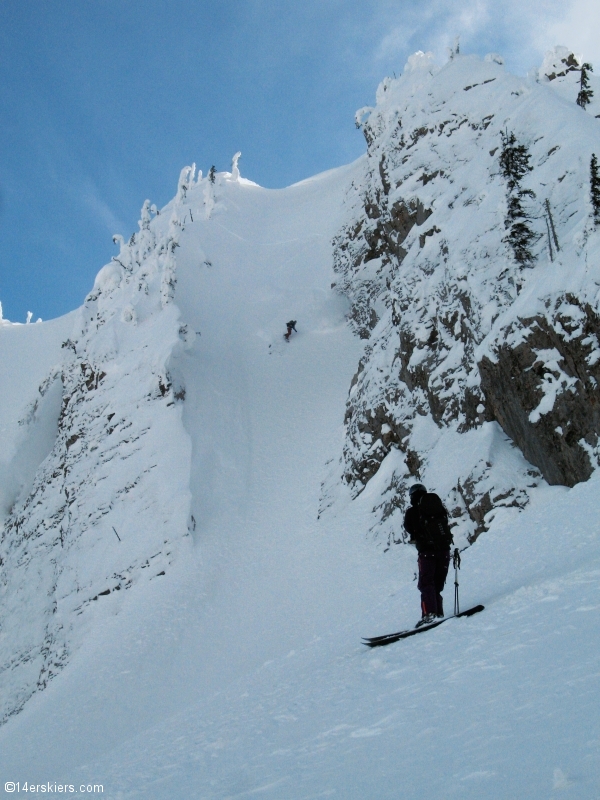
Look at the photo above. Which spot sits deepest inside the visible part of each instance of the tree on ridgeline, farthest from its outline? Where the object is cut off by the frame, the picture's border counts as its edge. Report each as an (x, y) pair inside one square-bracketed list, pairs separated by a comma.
[(584, 98)]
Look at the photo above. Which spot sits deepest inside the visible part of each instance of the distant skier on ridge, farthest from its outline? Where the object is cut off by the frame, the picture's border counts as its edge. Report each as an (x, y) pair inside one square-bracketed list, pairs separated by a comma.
[(426, 521), (291, 326)]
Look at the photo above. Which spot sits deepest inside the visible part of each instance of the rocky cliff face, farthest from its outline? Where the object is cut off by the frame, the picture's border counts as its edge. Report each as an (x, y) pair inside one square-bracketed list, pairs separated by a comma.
[(541, 385), (109, 503), (471, 355)]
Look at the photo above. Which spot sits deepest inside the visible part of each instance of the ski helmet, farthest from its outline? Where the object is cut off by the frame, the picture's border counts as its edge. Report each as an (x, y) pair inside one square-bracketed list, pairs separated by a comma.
[(416, 488)]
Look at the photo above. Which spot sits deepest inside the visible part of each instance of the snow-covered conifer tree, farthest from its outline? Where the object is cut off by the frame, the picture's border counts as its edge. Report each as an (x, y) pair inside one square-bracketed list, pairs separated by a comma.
[(125, 257), (585, 95), (144, 222), (212, 173), (169, 278), (595, 188), (514, 162), (235, 170), (186, 179), (455, 49)]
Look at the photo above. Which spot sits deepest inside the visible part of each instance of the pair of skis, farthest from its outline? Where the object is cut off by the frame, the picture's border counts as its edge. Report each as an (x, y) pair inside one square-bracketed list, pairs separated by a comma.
[(390, 638)]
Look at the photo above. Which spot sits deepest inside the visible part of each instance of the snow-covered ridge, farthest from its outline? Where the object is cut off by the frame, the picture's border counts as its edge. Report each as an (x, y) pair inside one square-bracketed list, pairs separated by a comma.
[(108, 503), (97, 487), (461, 336)]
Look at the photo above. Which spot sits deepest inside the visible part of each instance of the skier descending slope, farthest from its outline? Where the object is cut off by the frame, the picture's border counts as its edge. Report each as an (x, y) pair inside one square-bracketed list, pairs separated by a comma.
[(426, 521), (291, 326)]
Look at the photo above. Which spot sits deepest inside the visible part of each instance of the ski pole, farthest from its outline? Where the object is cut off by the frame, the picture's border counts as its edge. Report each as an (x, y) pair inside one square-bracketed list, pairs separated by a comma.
[(456, 562)]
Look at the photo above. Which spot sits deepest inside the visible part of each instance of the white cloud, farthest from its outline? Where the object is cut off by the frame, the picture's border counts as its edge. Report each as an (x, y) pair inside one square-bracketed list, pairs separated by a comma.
[(522, 32), (578, 29), (100, 208), (393, 42)]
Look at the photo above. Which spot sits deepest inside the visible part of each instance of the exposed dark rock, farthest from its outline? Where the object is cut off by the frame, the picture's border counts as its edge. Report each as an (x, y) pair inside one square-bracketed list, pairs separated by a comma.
[(514, 382), (413, 462), (571, 65), (430, 232), (379, 235)]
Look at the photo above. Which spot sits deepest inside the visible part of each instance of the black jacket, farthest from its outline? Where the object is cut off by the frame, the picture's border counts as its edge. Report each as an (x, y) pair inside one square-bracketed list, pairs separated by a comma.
[(412, 525)]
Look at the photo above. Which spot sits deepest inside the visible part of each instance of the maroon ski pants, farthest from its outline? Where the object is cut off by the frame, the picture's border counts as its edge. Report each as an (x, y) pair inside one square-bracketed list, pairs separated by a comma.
[(433, 570)]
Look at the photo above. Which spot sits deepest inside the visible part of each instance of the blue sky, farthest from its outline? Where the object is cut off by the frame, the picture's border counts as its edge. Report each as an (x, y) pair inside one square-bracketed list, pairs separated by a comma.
[(102, 102)]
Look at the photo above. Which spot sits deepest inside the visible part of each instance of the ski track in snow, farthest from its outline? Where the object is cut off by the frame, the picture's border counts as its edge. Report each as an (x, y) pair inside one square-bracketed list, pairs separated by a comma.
[(241, 672)]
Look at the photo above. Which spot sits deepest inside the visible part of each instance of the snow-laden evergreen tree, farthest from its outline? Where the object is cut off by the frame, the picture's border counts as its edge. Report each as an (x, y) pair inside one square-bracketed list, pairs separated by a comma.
[(212, 174), (585, 95), (455, 49), (186, 180), (146, 217), (235, 170), (514, 162), (595, 188)]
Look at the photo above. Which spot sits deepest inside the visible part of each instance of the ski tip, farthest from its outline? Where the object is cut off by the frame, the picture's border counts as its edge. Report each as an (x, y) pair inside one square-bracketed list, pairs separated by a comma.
[(382, 643), (470, 611)]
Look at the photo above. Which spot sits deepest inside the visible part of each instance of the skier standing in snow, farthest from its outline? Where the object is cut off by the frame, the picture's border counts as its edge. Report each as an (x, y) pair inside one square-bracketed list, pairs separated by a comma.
[(426, 522), (291, 326)]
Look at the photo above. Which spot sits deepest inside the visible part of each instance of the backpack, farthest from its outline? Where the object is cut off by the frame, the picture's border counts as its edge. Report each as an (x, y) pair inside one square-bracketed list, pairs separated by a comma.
[(433, 518)]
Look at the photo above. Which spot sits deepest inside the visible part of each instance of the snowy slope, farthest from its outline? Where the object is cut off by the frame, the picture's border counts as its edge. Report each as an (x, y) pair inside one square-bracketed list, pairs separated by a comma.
[(503, 705), (169, 569), (28, 354)]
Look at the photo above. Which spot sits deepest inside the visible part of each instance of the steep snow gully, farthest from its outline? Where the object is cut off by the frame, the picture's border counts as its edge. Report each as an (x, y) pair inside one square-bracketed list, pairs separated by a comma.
[(201, 521)]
